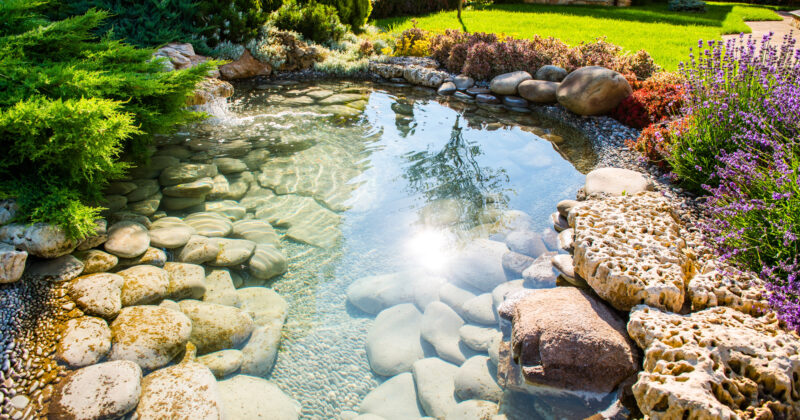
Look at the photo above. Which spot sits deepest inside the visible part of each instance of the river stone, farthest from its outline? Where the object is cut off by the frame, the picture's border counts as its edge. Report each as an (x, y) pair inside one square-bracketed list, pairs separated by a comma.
[(96, 261), (99, 237), (170, 232), (181, 203), (395, 399), (247, 397), (232, 252), (98, 294), (538, 91), (341, 98), (209, 224), (484, 98), (560, 224), (198, 249), (144, 284), (185, 391), (153, 256), (227, 165), (104, 391), (222, 363), (480, 265), (120, 216), (194, 189), (257, 231), (716, 363), (566, 240), (114, 202), (593, 90), (477, 338), (146, 207), (477, 91), (501, 292), (85, 341), (267, 262), (426, 290), (56, 270), (120, 187), (153, 168), (439, 327), (151, 336), (474, 410), (219, 289), (456, 296), (526, 242), (216, 327), (373, 294), (12, 263), (463, 82), (127, 239), (227, 208), (565, 338), (307, 221), (506, 84), (479, 310), (564, 206), (550, 73), (616, 181), (269, 312), (186, 172), (39, 239), (447, 88), (144, 188), (515, 263), (477, 379), (185, 281), (540, 273), (434, 379), (393, 343), (514, 102)]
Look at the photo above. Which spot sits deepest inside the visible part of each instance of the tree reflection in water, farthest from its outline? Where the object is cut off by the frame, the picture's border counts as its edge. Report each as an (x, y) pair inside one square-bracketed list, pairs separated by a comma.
[(453, 173)]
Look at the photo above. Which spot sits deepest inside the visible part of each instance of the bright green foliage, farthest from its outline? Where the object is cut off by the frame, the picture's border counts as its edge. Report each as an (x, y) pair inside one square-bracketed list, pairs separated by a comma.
[(70, 103), (233, 20), (315, 21), (352, 12)]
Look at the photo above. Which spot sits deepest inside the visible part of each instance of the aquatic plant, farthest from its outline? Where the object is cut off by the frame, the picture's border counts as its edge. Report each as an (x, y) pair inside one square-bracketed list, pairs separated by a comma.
[(742, 148)]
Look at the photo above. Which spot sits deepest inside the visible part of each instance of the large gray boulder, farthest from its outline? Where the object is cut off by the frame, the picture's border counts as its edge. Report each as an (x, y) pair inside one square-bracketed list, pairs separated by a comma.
[(593, 90), (506, 84)]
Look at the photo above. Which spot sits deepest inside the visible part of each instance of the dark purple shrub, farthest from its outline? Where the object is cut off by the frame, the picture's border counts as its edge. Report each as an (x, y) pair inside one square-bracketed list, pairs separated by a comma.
[(479, 61)]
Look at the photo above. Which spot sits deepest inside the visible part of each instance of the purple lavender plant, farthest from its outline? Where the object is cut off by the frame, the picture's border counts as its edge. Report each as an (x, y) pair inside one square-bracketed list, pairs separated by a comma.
[(742, 148)]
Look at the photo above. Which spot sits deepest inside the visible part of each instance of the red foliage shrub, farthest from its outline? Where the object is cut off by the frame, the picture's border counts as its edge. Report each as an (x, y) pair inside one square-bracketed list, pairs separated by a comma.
[(651, 102), (655, 141)]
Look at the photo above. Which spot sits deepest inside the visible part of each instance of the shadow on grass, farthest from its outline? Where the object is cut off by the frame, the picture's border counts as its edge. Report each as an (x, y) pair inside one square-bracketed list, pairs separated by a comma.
[(652, 13)]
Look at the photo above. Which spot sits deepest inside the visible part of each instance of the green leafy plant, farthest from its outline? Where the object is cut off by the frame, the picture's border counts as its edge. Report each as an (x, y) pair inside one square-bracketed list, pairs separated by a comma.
[(352, 12), (687, 6), (315, 21), (70, 104)]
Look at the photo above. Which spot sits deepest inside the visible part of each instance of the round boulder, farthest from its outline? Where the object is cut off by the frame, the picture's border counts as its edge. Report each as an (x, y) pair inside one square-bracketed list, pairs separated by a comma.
[(85, 341), (506, 84), (593, 90), (104, 391), (151, 336), (550, 73), (538, 91), (216, 327), (127, 239)]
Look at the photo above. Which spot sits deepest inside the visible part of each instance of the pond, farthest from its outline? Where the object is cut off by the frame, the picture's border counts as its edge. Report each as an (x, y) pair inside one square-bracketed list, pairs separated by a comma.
[(393, 188)]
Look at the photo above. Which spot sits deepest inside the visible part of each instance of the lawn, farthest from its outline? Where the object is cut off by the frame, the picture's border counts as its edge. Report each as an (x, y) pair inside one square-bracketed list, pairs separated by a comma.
[(666, 35)]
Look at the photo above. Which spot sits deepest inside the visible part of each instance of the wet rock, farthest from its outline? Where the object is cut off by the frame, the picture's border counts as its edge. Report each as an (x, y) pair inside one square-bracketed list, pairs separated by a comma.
[(307, 221), (560, 224), (480, 264), (480, 311), (219, 289), (227, 208), (63, 268), (426, 290), (435, 382), (146, 207), (85, 341), (393, 341), (12, 263), (526, 242), (96, 261), (227, 165), (198, 249), (248, 397), (103, 391), (153, 256), (395, 399), (643, 262), (538, 91), (565, 338), (186, 172), (257, 231), (477, 91), (98, 294), (463, 82), (447, 88), (616, 181), (127, 239), (564, 206), (514, 102), (269, 313), (144, 284), (563, 263), (267, 262), (180, 203), (501, 292), (716, 363), (244, 67), (232, 252), (540, 273), (506, 84), (515, 263), (222, 363), (440, 326), (100, 236), (373, 294), (593, 90), (551, 73), (144, 188), (476, 379), (484, 98), (566, 240), (186, 281), (210, 90), (151, 336), (184, 391), (474, 410), (39, 239), (209, 224), (456, 296), (477, 338), (216, 327)]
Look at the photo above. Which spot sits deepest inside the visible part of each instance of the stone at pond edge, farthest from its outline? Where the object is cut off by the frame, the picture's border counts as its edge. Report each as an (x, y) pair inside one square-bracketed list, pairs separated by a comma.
[(477, 379), (593, 90), (506, 84), (184, 391), (96, 261), (248, 397), (538, 91), (393, 341), (185, 281), (474, 410), (447, 88), (244, 67), (463, 82), (267, 262), (56, 270), (170, 232), (98, 294), (216, 327), (615, 181), (198, 249), (106, 390), (550, 73), (222, 363), (127, 239), (85, 341), (151, 336), (434, 379), (12, 263), (395, 399)]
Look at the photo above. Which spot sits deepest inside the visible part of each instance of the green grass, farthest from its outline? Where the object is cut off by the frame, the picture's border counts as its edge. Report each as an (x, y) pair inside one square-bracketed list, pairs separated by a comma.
[(666, 35)]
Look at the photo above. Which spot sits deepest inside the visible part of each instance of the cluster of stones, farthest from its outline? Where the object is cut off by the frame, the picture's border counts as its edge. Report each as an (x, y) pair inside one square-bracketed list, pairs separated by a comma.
[(179, 56), (711, 348)]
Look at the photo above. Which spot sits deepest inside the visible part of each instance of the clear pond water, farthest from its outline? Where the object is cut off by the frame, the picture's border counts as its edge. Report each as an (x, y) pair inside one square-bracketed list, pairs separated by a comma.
[(394, 179)]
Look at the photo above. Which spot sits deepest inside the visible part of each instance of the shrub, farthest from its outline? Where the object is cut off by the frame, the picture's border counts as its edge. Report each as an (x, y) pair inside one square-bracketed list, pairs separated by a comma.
[(640, 64), (69, 105), (315, 21), (651, 102), (655, 141), (687, 6), (235, 21), (743, 148), (352, 12), (412, 42), (391, 8)]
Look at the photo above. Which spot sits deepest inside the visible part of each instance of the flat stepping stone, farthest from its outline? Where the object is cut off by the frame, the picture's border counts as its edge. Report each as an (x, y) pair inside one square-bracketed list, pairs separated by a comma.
[(209, 224), (256, 230), (267, 262), (103, 391), (170, 233)]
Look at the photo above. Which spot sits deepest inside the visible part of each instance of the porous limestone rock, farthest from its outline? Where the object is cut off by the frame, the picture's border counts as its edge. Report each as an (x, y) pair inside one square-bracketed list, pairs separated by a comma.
[(718, 285), (151, 336), (185, 391), (630, 250), (98, 294), (615, 181), (104, 391), (715, 364)]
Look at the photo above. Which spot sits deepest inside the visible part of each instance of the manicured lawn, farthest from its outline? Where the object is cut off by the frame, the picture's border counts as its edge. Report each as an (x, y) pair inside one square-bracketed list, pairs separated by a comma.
[(666, 35)]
